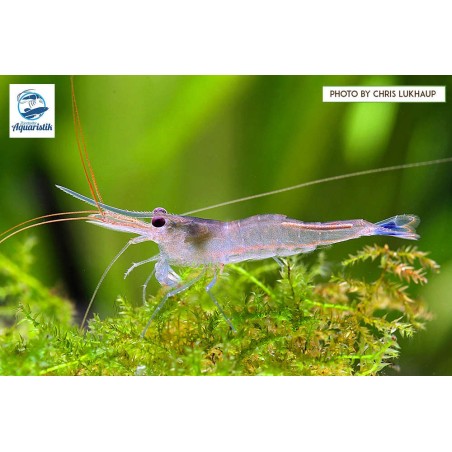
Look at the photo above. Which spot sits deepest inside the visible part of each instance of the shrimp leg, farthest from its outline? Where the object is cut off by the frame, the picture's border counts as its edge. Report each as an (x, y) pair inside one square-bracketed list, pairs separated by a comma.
[(212, 297), (145, 285), (171, 293), (133, 241), (137, 264), (281, 264)]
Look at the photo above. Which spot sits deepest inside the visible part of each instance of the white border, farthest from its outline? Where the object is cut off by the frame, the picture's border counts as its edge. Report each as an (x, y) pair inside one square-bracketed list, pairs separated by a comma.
[(274, 413), (234, 37)]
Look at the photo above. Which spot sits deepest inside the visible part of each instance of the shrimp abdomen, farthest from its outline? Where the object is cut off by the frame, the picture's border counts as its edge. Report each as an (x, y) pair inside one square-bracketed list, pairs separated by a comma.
[(266, 236)]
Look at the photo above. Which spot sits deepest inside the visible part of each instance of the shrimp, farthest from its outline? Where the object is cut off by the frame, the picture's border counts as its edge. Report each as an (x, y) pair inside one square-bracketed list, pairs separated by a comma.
[(186, 241)]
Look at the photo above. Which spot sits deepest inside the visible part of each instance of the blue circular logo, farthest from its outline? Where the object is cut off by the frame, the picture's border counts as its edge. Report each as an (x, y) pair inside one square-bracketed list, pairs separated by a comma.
[(31, 105)]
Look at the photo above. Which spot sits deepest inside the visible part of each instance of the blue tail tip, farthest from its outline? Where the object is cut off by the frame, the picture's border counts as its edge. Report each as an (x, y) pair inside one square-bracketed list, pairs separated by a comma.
[(403, 226)]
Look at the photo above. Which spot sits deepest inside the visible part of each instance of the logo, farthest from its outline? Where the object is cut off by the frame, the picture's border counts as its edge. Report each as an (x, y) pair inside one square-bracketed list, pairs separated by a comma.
[(32, 111), (31, 105)]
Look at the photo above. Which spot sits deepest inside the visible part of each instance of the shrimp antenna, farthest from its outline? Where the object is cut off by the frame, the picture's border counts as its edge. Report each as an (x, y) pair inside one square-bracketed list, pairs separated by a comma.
[(11, 232), (321, 181), (104, 274), (93, 187), (83, 151)]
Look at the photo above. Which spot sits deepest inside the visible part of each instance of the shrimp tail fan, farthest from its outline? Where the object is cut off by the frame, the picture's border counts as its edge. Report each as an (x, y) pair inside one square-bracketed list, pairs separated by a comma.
[(403, 226)]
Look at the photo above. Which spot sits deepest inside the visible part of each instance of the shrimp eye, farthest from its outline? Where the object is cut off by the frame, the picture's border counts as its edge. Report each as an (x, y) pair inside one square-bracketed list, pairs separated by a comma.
[(158, 222)]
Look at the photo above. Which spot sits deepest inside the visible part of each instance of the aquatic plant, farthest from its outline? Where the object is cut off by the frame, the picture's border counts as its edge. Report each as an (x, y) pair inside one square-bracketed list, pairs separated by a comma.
[(316, 319)]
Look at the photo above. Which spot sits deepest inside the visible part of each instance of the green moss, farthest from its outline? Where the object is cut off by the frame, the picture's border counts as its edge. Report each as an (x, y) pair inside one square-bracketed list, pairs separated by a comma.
[(308, 322)]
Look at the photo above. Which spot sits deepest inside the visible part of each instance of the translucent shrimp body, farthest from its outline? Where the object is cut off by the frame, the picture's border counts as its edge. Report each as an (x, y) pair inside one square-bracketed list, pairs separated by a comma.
[(192, 242)]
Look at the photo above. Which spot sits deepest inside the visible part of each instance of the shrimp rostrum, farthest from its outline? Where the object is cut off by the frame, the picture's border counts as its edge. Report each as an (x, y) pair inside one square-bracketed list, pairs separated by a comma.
[(197, 242)]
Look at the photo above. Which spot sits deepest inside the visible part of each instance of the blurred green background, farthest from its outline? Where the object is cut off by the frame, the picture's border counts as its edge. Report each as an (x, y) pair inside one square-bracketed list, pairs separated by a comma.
[(185, 142)]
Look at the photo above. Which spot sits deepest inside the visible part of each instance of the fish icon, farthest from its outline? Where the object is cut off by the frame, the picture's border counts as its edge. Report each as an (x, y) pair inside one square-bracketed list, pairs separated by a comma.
[(31, 113)]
